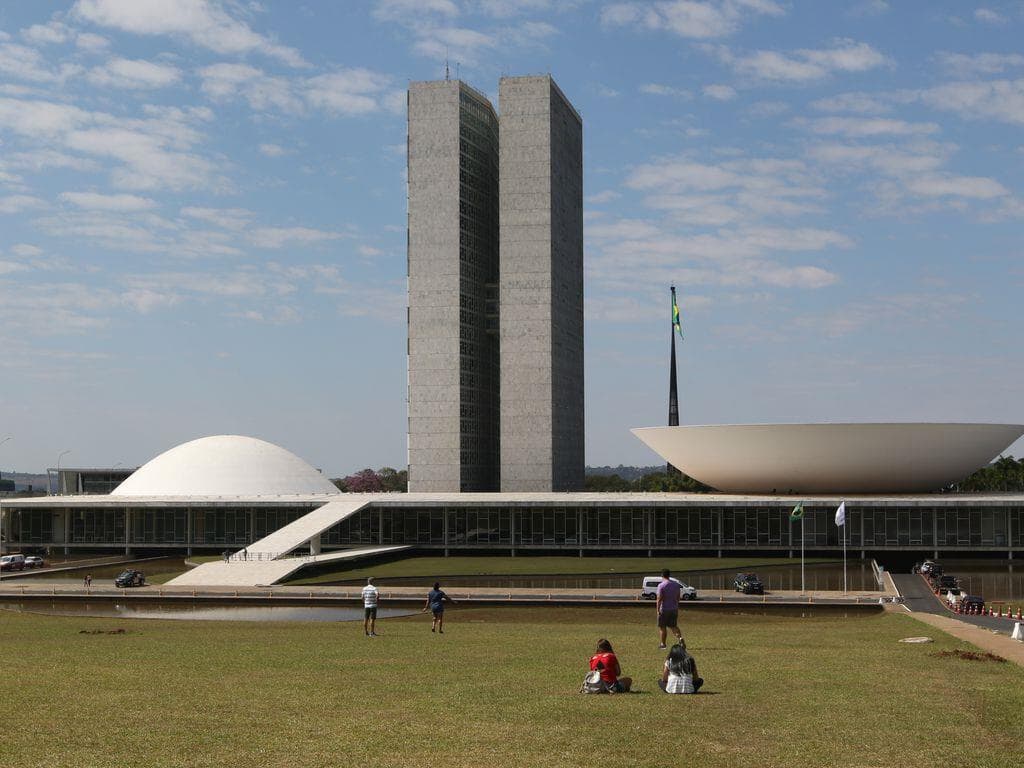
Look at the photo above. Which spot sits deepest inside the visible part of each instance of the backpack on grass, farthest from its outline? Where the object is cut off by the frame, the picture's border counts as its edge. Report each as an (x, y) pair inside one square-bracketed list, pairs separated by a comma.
[(593, 683)]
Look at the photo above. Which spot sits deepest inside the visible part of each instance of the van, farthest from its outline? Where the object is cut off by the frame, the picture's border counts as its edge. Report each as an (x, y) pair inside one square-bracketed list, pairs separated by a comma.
[(12, 563), (649, 588)]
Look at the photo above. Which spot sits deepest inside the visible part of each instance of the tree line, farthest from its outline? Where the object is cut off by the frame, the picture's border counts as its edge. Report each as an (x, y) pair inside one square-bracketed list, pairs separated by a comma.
[(1006, 474)]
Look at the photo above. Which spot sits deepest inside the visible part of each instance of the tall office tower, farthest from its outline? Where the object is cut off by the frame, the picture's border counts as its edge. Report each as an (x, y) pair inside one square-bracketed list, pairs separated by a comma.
[(541, 287), (453, 274)]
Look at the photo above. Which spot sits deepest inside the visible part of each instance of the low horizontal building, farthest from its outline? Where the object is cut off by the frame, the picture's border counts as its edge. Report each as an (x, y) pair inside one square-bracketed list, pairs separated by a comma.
[(232, 492)]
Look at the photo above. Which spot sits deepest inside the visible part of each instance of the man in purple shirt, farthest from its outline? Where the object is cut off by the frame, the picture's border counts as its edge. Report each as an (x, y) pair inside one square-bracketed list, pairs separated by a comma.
[(668, 607)]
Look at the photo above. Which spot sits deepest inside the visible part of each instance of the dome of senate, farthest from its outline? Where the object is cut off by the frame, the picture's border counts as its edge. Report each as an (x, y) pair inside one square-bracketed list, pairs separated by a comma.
[(226, 465)]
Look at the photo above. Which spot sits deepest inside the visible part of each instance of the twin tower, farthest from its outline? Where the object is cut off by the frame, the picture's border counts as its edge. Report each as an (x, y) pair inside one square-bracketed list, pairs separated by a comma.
[(495, 288)]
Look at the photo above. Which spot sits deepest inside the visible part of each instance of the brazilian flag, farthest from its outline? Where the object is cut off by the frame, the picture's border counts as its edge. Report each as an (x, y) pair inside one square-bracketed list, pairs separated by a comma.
[(676, 322), (797, 513)]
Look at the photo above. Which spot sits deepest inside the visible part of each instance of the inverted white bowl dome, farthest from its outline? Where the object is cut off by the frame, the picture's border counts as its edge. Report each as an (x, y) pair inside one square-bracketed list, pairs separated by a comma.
[(829, 458), (225, 465)]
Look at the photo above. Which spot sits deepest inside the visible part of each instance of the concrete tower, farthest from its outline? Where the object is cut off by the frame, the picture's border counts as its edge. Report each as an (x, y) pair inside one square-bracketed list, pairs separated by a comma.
[(453, 274), (541, 287)]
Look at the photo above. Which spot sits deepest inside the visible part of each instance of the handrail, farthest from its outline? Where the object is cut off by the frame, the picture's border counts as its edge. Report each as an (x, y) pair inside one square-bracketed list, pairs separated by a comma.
[(879, 572)]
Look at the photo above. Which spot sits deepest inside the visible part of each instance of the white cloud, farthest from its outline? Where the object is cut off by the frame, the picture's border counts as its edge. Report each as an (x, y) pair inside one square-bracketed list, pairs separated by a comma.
[(694, 19), (657, 89), (43, 34), (134, 74), (988, 16), (24, 63), (346, 92), (972, 65), (458, 44), (273, 150), (1001, 100), (976, 187), (19, 203), (409, 11), (278, 237), (603, 197), (859, 103), (26, 251), (719, 92), (805, 65), (341, 92), (224, 81), (205, 23), (91, 42), (228, 218), (859, 127), (95, 201)]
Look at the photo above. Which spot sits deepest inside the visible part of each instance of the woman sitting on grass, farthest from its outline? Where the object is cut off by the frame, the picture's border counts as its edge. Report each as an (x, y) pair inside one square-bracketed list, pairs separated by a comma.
[(680, 672), (606, 661)]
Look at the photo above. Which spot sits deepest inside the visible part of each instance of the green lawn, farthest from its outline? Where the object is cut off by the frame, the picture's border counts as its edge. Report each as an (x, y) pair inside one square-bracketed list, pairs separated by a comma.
[(429, 567), (498, 689)]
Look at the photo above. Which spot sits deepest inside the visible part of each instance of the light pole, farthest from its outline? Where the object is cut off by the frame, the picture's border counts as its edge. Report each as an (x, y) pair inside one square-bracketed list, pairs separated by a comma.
[(62, 455)]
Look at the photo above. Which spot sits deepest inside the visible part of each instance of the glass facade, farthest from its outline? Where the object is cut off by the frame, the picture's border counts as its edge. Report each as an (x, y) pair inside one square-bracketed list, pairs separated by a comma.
[(709, 527), (478, 276), (962, 526)]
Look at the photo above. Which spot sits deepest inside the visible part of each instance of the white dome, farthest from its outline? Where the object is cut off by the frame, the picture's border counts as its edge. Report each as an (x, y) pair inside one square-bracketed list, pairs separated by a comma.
[(225, 465)]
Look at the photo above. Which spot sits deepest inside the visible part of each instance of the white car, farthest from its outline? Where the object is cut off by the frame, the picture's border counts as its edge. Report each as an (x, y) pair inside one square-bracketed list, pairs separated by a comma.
[(34, 561), (649, 588)]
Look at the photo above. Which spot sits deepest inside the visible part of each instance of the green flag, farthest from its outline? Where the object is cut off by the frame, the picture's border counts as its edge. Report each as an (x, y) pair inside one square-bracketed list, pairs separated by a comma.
[(676, 322), (797, 513)]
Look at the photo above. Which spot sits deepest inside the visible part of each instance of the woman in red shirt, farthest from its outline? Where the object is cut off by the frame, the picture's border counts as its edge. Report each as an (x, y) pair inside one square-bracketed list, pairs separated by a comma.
[(606, 661)]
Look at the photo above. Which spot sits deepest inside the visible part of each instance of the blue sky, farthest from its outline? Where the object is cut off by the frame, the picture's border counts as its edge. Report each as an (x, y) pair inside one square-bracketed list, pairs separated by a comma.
[(202, 214)]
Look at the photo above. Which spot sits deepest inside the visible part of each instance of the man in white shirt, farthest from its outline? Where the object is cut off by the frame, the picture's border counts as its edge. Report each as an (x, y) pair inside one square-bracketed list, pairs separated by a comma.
[(370, 597)]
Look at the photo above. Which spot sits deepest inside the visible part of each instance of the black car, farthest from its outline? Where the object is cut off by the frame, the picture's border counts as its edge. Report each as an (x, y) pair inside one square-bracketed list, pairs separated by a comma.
[(945, 583), (748, 584), (972, 604), (130, 578)]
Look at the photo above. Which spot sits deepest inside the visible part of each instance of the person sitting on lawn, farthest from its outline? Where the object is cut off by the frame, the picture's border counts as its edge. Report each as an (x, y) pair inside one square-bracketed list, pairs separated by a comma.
[(607, 662), (679, 674)]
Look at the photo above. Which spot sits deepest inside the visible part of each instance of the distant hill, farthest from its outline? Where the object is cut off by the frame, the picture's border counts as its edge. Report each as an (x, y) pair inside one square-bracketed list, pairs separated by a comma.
[(626, 473)]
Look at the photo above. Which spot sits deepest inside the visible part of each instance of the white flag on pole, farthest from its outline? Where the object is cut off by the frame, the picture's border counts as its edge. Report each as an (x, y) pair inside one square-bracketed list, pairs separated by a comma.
[(841, 514)]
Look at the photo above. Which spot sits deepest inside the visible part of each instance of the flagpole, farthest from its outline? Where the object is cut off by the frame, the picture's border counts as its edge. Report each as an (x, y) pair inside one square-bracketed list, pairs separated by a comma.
[(803, 587), (844, 551), (673, 396)]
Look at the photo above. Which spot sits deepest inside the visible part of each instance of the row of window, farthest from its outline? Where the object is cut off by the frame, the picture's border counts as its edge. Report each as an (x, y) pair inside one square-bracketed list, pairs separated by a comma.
[(725, 527)]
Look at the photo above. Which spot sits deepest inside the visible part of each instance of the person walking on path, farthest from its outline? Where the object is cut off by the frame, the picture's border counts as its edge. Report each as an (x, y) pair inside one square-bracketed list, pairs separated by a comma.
[(87, 582), (435, 602), (668, 607), (370, 598), (227, 555)]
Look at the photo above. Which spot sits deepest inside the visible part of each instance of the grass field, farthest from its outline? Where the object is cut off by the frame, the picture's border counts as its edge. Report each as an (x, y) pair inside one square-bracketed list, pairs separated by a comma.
[(498, 689), (430, 567)]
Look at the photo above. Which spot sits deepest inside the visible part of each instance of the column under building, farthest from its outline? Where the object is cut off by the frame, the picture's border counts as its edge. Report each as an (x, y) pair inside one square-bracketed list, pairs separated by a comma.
[(541, 287), (453, 275)]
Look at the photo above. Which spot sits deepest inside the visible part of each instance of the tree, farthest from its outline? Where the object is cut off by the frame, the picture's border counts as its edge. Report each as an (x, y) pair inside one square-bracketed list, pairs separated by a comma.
[(364, 481), (393, 480)]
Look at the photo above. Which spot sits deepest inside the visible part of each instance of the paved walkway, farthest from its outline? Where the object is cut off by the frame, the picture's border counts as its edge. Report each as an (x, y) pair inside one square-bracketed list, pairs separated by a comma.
[(988, 633)]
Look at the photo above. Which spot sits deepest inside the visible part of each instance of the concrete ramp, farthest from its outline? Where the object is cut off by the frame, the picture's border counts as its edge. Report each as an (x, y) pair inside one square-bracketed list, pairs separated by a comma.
[(294, 535), (268, 560), (257, 573)]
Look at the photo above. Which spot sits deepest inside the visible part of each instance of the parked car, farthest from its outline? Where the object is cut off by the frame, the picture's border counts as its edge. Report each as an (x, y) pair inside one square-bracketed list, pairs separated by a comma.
[(945, 583), (748, 584), (972, 603), (954, 596), (34, 561), (649, 588), (130, 578), (927, 566), (12, 562)]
